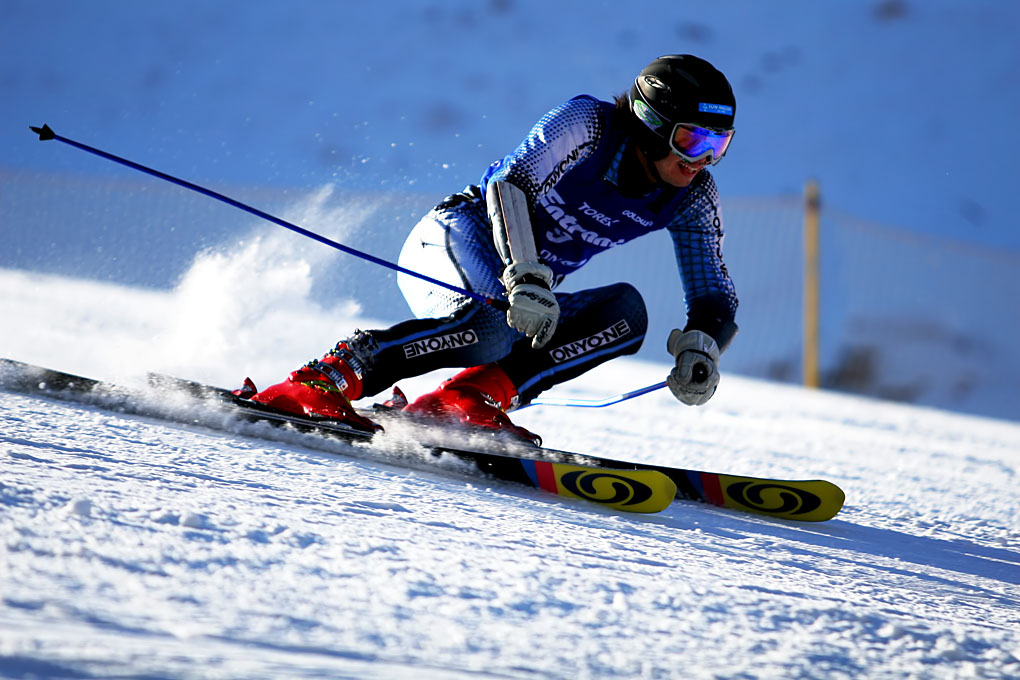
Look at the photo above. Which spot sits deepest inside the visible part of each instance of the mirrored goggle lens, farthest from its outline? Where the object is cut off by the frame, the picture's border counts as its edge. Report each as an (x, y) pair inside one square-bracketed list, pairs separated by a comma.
[(692, 143)]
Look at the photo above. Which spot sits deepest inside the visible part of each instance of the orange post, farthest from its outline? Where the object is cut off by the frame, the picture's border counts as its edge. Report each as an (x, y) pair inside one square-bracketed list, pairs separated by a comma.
[(812, 208)]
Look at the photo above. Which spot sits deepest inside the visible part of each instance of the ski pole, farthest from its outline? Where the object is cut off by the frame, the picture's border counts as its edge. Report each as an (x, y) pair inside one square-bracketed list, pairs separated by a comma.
[(598, 403), (700, 375), (46, 133)]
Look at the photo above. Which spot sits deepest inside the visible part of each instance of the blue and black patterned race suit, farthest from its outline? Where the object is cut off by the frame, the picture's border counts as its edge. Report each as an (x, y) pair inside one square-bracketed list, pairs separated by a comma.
[(568, 167)]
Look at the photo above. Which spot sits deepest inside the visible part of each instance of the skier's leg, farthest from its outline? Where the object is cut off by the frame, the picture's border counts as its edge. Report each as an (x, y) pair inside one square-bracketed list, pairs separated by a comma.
[(595, 326), (475, 334), (451, 244)]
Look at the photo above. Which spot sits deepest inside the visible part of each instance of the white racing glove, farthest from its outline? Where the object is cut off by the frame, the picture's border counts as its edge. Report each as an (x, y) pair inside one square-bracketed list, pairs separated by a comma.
[(694, 378), (533, 307)]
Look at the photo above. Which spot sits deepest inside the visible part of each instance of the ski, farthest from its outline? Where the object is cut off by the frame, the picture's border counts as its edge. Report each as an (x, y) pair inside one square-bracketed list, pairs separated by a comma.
[(642, 491), (632, 487)]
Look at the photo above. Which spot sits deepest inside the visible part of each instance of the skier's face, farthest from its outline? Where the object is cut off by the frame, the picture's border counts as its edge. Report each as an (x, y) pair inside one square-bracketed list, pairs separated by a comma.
[(676, 171)]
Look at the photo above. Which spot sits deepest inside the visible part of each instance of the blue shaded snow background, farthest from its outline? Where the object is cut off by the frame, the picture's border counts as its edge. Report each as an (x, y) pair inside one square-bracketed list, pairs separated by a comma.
[(355, 119), (905, 111)]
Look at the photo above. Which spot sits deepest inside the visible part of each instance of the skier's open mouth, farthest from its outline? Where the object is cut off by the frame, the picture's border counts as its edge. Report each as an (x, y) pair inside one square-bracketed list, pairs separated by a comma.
[(690, 168)]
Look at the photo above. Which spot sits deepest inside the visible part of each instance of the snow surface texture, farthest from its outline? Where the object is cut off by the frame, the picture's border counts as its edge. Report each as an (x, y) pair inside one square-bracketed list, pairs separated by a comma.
[(135, 548)]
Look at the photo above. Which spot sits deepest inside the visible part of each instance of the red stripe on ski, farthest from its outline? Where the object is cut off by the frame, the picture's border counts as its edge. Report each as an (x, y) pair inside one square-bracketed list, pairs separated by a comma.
[(546, 476), (713, 488)]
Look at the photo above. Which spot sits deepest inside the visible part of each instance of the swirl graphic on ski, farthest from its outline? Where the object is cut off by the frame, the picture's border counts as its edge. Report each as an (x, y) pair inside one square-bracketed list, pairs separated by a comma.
[(774, 498), (630, 490), (812, 500), (595, 486)]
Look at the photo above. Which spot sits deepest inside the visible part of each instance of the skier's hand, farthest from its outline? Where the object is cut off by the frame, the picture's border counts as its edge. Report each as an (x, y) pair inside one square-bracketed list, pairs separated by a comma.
[(694, 378), (533, 307)]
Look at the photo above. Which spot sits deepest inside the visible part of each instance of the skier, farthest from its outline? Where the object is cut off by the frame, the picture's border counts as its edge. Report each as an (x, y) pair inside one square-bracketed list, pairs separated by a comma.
[(591, 175)]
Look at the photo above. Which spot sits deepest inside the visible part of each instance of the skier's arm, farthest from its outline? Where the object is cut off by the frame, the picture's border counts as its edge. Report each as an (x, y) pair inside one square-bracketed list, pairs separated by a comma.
[(561, 139), (709, 294), (533, 307), (697, 234)]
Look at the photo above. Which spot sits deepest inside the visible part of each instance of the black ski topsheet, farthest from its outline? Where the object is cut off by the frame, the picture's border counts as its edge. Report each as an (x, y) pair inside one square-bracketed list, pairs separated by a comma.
[(803, 500)]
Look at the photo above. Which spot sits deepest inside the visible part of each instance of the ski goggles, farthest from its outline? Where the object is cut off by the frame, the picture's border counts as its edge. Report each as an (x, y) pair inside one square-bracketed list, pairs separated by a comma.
[(692, 143)]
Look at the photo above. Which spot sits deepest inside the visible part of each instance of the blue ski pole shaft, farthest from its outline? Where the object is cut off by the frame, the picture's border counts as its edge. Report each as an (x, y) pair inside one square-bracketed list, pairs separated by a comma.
[(46, 133), (600, 403), (700, 375)]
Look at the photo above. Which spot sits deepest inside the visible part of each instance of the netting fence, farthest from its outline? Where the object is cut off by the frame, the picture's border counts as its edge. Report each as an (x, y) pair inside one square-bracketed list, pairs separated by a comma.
[(902, 315)]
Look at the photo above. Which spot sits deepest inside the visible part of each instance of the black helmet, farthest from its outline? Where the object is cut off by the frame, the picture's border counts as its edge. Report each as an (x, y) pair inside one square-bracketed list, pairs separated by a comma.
[(679, 89)]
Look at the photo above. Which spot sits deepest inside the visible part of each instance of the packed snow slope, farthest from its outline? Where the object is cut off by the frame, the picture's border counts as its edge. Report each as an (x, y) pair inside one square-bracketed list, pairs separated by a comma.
[(137, 548)]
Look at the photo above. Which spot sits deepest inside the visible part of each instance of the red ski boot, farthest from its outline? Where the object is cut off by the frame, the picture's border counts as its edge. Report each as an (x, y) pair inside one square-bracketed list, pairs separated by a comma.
[(476, 396), (322, 388)]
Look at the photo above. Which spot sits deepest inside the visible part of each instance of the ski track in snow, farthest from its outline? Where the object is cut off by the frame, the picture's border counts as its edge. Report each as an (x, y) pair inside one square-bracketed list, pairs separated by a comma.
[(134, 547)]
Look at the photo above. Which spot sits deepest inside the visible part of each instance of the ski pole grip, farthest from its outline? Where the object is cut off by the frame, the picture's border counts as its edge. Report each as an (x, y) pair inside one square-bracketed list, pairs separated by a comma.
[(45, 132)]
